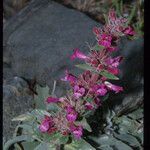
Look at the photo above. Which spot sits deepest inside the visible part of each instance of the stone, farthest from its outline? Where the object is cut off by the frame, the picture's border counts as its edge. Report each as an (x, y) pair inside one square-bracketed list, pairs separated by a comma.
[(131, 76), (40, 39), (17, 99), (12, 7)]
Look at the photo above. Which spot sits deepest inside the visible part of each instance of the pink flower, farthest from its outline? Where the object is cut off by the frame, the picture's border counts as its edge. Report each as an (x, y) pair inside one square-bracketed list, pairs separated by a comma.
[(52, 100), (77, 131), (103, 78), (129, 31), (71, 114), (51, 130), (114, 62), (78, 92), (105, 40), (96, 31), (89, 106), (112, 15), (97, 101), (78, 54), (100, 89), (113, 87), (69, 77), (111, 49), (46, 123), (114, 71)]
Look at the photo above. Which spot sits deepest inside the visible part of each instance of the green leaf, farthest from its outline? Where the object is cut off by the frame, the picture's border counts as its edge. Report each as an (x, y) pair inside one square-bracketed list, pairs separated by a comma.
[(55, 138), (26, 128), (39, 113), (88, 113), (108, 75), (43, 93), (63, 139), (98, 47), (110, 141), (30, 145), (106, 147), (17, 139), (85, 67), (89, 99), (132, 14), (131, 140), (45, 146), (105, 97), (138, 114), (106, 18), (79, 145), (24, 117), (85, 124), (140, 137), (52, 107)]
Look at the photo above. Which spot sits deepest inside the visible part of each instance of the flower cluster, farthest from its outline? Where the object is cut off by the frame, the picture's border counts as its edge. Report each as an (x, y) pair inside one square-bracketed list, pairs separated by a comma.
[(88, 88)]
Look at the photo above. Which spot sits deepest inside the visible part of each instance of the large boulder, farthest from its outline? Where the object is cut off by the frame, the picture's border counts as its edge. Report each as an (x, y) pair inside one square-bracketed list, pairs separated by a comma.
[(17, 99), (39, 43)]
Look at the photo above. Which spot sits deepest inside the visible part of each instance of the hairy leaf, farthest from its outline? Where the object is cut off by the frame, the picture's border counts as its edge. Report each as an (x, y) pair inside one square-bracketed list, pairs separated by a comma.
[(79, 145), (24, 117), (85, 124), (108, 75), (43, 93)]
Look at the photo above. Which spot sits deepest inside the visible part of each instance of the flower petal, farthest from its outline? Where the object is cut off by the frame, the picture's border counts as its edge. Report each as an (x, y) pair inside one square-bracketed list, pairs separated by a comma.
[(78, 54), (52, 100), (113, 87)]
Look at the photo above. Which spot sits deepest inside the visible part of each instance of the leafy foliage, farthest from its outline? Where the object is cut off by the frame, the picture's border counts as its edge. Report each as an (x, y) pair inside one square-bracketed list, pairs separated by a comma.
[(79, 145), (124, 132)]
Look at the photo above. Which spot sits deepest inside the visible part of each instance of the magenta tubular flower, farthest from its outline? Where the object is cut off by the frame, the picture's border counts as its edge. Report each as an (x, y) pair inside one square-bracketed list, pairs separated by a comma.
[(129, 31), (71, 114), (77, 131), (114, 62), (97, 101), (111, 49), (69, 77), (113, 87), (112, 15), (96, 31), (46, 123), (101, 90), (52, 100), (78, 54), (89, 106), (78, 92), (114, 71), (105, 40)]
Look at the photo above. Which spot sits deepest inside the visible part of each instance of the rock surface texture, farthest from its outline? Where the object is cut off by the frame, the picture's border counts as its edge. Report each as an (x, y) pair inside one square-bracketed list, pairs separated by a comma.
[(41, 40), (17, 99)]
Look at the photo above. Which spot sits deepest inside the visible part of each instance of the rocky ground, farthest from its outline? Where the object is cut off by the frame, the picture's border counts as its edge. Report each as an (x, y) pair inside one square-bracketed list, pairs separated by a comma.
[(37, 44)]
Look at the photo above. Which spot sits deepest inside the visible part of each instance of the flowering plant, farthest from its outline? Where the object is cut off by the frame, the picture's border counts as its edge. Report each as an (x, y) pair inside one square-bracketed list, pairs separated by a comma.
[(64, 120)]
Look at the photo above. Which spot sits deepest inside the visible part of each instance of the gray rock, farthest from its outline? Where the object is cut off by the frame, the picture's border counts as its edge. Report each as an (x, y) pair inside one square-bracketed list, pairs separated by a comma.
[(40, 39), (12, 7), (131, 77), (17, 99)]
